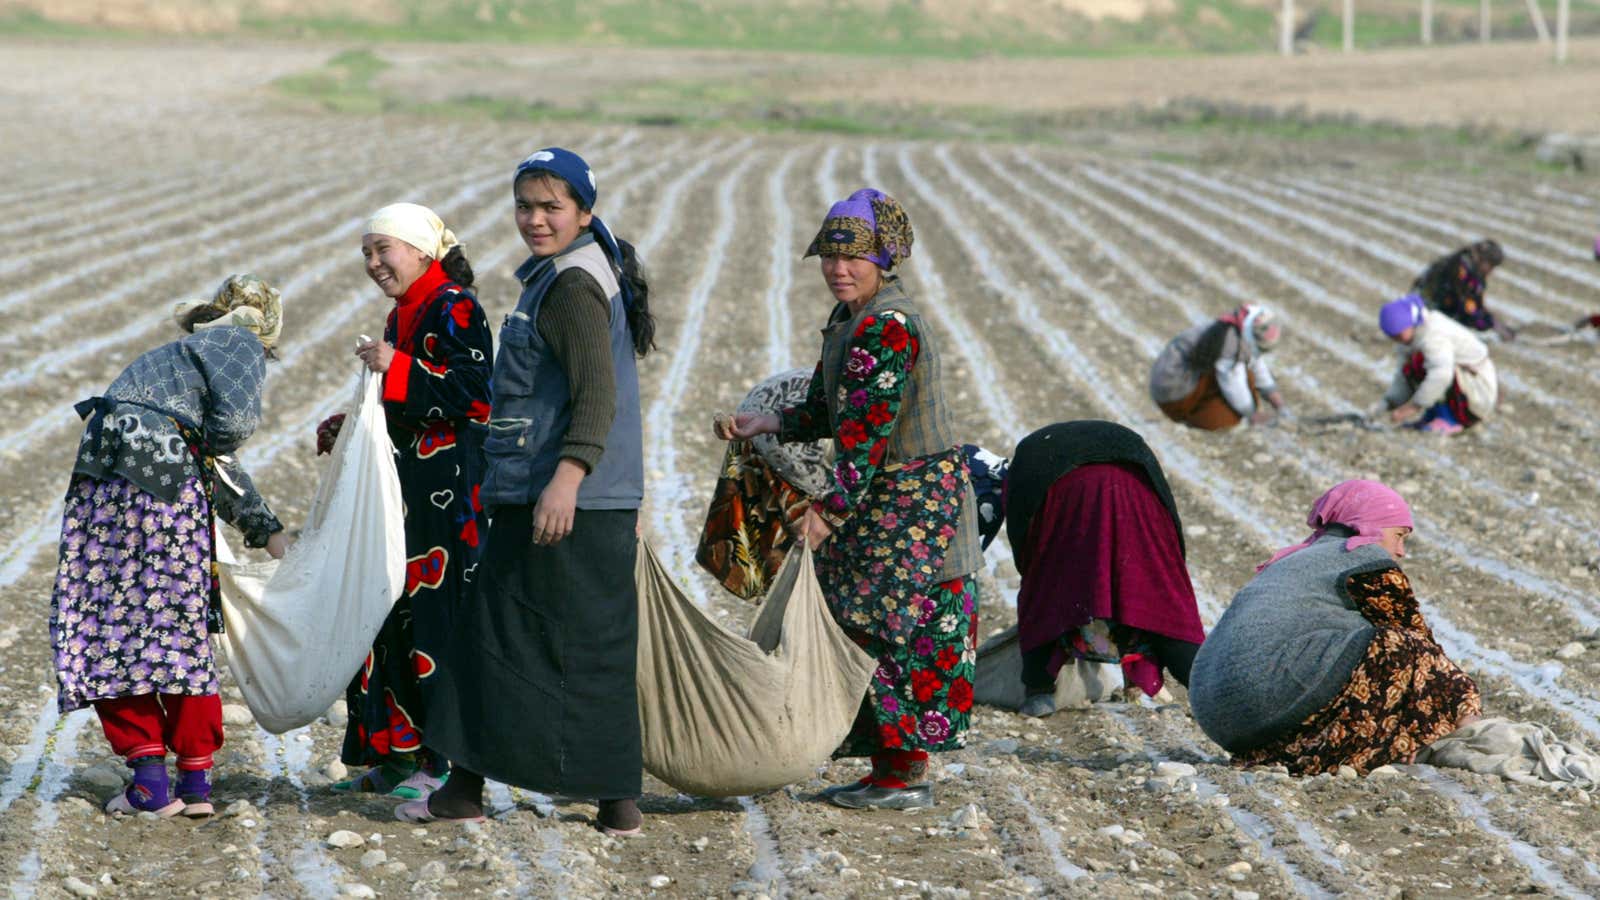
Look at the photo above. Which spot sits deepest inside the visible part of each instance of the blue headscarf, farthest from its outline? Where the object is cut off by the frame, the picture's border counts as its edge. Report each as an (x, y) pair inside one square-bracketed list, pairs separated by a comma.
[(570, 167)]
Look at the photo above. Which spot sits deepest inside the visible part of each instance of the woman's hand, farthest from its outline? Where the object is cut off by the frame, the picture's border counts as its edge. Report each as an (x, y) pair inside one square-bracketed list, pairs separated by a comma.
[(376, 354), (1263, 415), (815, 528), (558, 504), (278, 544), (746, 425), (1404, 412)]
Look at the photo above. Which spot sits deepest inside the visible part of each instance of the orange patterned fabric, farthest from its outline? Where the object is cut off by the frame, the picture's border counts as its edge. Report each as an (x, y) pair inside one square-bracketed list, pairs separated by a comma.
[(749, 527), (1404, 695)]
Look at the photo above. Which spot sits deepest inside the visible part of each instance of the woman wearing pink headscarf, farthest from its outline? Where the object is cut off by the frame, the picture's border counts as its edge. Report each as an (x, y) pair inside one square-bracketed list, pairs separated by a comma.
[(1323, 659)]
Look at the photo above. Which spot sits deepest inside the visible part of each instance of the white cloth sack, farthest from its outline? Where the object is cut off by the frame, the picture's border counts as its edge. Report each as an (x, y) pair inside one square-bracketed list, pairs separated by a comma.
[(722, 715), (297, 630), (1521, 751), (998, 680)]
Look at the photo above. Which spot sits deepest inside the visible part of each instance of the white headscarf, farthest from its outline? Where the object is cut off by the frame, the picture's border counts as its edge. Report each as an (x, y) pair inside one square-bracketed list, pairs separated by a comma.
[(414, 224)]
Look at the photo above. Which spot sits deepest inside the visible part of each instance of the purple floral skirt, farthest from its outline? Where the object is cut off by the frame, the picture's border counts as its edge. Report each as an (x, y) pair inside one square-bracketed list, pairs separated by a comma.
[(128, 613)]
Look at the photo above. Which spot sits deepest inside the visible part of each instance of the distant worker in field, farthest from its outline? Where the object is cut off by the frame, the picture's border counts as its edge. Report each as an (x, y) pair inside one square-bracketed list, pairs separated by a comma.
[(1446, 382), (1594, 320), (136, 595), (1215, 375), (1323, 659), (1455, 285)]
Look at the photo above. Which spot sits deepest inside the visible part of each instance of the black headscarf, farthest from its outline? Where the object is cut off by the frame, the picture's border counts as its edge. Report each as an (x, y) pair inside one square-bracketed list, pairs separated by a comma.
[(1053, 451)]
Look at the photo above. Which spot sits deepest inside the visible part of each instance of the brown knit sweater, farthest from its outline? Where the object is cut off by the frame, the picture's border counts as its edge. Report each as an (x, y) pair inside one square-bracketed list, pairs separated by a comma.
[(575, 320)]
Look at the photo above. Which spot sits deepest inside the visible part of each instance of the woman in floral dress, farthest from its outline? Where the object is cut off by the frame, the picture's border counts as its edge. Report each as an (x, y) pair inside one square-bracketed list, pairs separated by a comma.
[(136, 593), (435, 358), (1456, 284), (896, 533)]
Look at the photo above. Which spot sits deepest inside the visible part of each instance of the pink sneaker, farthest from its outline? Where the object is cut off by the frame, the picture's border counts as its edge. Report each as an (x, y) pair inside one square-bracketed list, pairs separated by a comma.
[(1443, 426)]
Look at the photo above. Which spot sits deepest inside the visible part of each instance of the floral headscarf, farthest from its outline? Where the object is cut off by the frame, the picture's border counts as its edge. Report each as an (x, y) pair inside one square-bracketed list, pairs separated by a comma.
[(1257, 324), (244, 300), (868, 224)]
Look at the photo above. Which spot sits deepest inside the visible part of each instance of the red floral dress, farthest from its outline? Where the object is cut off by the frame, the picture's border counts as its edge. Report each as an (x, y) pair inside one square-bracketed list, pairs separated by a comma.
[(892, 527), (436, 397)]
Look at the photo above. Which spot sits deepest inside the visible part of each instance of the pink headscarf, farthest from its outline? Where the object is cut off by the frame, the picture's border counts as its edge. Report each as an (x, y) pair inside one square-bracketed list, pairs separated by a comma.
[(1367, 506)]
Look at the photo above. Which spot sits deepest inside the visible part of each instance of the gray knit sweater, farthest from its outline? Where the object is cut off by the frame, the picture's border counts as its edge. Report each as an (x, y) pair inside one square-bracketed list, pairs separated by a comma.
[(575, 320), (1285, 647)]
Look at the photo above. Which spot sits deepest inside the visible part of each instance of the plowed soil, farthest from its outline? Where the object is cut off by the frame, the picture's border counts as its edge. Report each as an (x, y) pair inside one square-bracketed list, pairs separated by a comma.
[(1053, 274)]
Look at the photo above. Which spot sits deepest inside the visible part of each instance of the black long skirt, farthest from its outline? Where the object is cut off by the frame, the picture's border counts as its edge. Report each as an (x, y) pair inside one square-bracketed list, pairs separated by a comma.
[(537, 688)]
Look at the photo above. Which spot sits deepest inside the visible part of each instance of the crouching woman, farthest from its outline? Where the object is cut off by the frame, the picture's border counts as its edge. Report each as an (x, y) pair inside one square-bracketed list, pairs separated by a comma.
[(1323, 659), (1446, 381), (1215, 375)]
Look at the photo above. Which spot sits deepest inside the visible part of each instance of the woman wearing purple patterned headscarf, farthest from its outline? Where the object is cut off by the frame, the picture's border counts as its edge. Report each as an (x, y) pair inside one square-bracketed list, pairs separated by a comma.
[(896, 532)]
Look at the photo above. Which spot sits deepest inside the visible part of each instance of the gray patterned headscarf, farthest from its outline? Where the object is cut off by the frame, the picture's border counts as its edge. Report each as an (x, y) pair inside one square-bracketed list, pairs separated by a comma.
[(807, 466)]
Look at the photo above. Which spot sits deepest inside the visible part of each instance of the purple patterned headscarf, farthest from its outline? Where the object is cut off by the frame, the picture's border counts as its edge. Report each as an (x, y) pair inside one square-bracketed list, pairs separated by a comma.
[(868, 224)]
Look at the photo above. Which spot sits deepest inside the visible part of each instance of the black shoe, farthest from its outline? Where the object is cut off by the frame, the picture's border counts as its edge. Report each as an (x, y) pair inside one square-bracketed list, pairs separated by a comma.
[(1038, 706), (917, 796), (619, 818)]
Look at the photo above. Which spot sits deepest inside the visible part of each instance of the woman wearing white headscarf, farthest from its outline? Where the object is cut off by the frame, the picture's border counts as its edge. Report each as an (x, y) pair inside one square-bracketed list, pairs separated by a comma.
[(435, 358), (1215, 375)]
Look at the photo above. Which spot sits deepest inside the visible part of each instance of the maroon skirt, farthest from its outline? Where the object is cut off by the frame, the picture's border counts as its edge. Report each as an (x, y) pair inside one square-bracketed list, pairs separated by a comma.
[(1102, 546)]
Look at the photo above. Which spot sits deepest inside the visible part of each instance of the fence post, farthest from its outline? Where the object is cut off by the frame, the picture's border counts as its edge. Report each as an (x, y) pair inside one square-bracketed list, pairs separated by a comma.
[(1563, 19), (1286, 29), (1427, 21), (1350, 25), (1484, 22), (1537, 16)]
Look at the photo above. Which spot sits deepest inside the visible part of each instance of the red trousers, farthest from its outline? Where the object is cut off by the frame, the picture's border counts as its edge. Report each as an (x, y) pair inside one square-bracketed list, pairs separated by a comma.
[(148, 724)]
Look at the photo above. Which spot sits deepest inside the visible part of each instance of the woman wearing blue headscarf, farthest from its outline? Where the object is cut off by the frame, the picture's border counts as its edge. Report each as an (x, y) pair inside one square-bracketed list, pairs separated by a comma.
[(537, 686)]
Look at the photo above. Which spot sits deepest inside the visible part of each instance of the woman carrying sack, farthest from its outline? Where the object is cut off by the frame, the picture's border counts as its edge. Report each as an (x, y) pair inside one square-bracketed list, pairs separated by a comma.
[(537, 688), (434, 359), (136, 592), (896, 534)]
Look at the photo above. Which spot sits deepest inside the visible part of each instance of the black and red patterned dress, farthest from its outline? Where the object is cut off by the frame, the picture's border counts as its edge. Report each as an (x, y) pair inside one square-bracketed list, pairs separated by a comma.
[(436, 396)]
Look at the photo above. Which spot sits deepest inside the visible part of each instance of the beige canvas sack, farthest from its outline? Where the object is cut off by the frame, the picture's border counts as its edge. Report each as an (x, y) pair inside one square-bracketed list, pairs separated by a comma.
[(998, 681), (724, 715)]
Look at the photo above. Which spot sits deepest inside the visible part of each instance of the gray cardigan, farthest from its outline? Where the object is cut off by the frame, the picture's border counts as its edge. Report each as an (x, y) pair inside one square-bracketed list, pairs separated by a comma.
[(1285, 647), (210, 380)]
